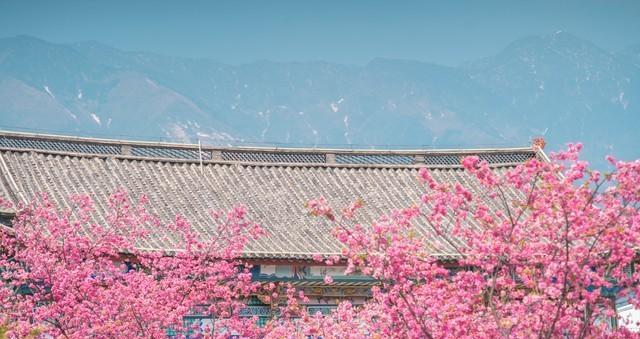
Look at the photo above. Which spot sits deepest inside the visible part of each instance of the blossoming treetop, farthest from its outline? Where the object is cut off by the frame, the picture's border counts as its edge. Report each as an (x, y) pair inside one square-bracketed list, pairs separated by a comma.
[(531, 248), (549, 264)]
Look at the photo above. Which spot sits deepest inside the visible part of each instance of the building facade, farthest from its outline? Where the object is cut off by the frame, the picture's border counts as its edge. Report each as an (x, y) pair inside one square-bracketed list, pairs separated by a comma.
[(273, 183)]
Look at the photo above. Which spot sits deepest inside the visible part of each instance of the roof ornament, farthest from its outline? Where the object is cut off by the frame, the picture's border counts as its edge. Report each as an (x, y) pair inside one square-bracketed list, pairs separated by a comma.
[(538, 143)]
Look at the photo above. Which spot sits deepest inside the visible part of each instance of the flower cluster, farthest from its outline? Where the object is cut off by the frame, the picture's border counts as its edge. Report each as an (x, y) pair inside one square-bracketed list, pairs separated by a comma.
[(544, 249), (549, 263), (67, 275)]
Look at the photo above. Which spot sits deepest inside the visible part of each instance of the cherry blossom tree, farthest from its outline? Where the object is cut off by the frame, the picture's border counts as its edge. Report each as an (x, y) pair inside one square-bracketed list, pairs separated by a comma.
[(548, 263), (66, 275), (542, 250)]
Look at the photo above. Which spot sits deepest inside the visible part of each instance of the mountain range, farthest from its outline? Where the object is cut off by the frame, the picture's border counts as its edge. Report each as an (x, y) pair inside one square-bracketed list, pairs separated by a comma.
[(558, 86)]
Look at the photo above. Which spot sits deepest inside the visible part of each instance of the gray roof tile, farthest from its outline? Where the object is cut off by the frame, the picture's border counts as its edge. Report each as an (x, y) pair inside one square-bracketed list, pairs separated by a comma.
[(274, 189)]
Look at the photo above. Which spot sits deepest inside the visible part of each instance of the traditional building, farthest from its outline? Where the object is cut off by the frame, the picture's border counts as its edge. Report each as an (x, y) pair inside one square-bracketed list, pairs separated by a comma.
[(274, 184)]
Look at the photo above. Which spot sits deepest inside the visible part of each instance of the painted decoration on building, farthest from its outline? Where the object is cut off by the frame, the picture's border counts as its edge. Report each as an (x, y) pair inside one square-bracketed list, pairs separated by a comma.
[(301, 272)]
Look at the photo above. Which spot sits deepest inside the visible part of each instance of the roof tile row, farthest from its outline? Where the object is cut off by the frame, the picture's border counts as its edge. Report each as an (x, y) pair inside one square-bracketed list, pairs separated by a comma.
[(274, 194)]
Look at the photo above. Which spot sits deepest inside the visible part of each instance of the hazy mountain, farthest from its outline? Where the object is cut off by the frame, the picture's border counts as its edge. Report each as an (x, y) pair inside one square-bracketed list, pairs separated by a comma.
[(568, 89), (558, 86)]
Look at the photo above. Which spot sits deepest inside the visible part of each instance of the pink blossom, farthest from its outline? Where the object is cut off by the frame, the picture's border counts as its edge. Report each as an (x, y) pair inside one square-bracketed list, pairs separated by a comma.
[(470, 162), (531, 251), (328, 279)]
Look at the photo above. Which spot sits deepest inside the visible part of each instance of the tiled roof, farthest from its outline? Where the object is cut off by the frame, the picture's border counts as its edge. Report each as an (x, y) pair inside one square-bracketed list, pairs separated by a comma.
[(273, 183)]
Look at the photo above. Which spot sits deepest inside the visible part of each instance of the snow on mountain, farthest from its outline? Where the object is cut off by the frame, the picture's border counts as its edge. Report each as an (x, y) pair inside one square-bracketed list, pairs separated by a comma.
[(559, 86), (96, 118)]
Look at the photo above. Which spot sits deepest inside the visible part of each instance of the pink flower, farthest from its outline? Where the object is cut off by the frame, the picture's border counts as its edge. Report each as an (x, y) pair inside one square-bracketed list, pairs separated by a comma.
[(425, 177), (470, 162), (320, 207), (328, 279)]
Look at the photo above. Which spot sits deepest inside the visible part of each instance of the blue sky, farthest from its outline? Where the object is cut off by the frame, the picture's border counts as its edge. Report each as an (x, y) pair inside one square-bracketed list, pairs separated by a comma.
[(339, 31)]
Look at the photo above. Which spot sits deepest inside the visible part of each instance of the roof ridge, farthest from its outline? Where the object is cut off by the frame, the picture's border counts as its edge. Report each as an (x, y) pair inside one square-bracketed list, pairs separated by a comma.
[(113, 141), (164, 151)]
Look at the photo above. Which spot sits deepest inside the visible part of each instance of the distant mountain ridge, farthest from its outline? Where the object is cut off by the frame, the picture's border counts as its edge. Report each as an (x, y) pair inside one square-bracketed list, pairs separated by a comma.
[(558, 86)]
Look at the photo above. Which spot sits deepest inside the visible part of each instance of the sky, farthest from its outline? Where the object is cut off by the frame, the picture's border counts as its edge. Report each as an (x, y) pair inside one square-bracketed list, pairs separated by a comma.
[(351, 32)]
